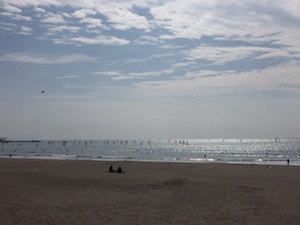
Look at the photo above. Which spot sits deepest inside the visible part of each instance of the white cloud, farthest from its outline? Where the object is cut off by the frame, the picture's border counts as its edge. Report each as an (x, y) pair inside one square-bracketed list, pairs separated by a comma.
[(147, 74), (39, 10), (53, 18), (182, 64), (25, 30), (92, 22), (100, 40), (11, 8), (27, 3), (147, 40), (275, 53), (118, 75), (248, 20), (121, 18), (67, 77), (14, 16), (227, 21), (41, 59), (53, 29), (119, 14), (188, 19), (203, 74), (222, 55), (282, 78), (82, 13), (108, 73), (8, 26)]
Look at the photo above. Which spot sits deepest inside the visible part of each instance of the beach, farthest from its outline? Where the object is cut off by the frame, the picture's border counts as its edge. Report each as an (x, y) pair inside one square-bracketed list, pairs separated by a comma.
[(84, 192)]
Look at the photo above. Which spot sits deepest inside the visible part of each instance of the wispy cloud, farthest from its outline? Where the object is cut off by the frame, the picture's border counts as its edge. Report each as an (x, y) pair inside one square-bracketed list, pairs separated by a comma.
[(41, 59), (92, 22), (14, 16), (120, 17), (39, 10), (248, 21), (238, 32), (277, 79), (25, 30), (8, 26), (118, 75), (53, 18), (100, 40), (108, 73), (55, 29), (67, 77), (11, 8), (222, 55), (82, 13)]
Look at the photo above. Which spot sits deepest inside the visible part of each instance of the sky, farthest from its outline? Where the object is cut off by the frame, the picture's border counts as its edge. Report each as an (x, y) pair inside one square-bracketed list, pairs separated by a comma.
[(118, 69)]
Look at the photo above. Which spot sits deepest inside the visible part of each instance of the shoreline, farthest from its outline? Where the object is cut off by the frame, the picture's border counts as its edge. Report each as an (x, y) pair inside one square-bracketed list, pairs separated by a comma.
[(231, 151), (84, 192), (263, 163)]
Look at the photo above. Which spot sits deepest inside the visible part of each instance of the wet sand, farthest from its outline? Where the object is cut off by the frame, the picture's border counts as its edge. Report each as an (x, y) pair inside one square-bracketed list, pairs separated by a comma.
[(83, 192)]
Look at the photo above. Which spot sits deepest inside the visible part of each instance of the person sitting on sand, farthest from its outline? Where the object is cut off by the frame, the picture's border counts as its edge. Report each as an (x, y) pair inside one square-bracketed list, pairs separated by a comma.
[(119, 170), (111, 170)]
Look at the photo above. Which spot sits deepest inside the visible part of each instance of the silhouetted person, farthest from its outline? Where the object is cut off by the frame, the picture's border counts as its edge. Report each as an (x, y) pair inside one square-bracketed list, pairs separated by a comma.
[(288, 162), (111, 170), (119, 170)]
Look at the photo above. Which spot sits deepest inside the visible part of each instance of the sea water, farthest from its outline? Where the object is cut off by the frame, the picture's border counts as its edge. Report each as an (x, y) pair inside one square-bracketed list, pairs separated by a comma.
[(251, 151)]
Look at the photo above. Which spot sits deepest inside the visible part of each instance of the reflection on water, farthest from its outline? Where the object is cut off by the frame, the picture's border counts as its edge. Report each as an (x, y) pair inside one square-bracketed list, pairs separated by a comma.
[(258, 151)]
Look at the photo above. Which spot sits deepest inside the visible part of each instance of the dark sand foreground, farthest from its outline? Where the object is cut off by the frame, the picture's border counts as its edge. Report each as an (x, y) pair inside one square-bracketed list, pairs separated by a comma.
[(83, 192)]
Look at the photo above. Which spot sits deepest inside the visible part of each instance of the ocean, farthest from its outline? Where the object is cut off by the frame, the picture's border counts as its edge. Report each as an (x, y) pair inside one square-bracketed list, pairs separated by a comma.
[(238, 151)]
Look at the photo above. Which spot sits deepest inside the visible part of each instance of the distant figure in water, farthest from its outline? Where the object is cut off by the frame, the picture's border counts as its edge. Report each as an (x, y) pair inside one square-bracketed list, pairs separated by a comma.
[(288, 162), (111, 170)]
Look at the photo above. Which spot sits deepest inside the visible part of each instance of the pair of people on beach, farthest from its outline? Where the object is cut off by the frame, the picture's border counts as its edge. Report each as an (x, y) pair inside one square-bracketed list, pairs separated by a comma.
[(119, 170)]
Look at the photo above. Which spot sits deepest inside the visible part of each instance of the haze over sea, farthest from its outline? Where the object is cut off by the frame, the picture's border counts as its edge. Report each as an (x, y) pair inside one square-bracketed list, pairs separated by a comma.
[(246, 151)]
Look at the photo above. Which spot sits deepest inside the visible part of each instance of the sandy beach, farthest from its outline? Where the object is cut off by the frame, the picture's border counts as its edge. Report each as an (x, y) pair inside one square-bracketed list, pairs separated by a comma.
[(83, 192)]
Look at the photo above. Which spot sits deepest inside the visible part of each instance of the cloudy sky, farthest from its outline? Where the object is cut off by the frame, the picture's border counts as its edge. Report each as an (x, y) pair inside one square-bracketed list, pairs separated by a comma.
[(149, 69)]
